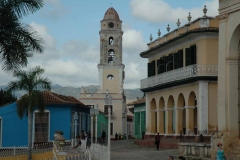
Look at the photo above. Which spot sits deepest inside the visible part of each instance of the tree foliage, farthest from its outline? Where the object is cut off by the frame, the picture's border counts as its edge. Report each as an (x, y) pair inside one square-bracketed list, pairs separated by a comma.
[(30, 81), (18, 41), (6, 97)]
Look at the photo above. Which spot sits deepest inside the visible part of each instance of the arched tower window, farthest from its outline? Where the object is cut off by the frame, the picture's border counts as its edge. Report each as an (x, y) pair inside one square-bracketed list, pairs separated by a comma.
[(111, 41), (111, 55)]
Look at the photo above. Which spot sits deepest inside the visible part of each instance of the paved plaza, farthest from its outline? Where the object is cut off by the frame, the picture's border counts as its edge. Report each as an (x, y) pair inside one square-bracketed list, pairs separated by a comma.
[(127, 150)]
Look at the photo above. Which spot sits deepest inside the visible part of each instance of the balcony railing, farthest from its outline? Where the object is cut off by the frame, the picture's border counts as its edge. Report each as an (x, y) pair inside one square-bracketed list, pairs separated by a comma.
[(180, 74)]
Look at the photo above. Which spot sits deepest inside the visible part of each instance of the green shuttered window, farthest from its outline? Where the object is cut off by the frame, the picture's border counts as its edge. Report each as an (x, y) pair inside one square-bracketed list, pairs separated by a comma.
[(191, 55), (151, 69)]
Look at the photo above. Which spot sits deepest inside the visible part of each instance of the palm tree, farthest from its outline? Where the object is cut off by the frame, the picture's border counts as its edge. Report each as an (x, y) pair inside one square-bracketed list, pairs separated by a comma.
[(17, 40), (30, 81)]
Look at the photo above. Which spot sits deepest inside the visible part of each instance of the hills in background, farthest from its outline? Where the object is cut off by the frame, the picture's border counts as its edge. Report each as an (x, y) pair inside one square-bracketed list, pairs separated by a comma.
[(131, 94)]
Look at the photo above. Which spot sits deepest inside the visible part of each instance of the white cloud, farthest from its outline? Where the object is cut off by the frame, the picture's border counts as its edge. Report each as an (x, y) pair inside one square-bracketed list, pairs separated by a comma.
[(75, 62), (159, 11), (135, 66), (133, 41), (55, 9), (49, 42)]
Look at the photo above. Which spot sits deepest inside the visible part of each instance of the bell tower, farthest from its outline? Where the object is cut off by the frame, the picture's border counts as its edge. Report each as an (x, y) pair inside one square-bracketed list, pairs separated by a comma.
[(111, 69), (111, 75)]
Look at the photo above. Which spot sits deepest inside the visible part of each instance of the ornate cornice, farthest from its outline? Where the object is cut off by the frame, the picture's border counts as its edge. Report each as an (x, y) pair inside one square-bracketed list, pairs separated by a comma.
[(222, 17)]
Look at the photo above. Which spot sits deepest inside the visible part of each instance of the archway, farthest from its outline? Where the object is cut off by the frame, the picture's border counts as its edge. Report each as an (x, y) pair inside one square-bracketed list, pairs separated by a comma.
[(153, 114), (181, 115), (192, 114), (234, 81), (161, 113), (170, 116)]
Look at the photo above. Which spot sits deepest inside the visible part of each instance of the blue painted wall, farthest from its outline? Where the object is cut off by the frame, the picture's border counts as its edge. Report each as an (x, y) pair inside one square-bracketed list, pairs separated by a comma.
[(60, 119), (15, 130)]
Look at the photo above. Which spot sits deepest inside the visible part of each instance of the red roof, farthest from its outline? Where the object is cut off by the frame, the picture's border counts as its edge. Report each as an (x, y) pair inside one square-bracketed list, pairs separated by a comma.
[(139, 101), (111, 13), (54, 98)]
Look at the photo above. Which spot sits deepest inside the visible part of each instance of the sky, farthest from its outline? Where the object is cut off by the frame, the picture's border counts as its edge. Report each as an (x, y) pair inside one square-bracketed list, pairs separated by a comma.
[(70, 33)]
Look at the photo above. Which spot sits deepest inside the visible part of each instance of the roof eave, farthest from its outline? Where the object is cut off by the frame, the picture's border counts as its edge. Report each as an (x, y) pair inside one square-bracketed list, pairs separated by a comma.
[(145, 53)]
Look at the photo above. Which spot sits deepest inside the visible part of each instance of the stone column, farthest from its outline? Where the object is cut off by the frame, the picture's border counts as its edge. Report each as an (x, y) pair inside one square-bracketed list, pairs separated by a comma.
[(161, 121), (222, 49), (178, 120), (203, 107), (232, 92), (169, 122), (190, 120), (148, 121)]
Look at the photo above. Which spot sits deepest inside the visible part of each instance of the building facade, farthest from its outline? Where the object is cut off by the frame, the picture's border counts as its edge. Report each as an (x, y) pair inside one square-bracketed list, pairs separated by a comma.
[(228, 111), (139, 109), (58, 115), (111, 73), (181, 87)]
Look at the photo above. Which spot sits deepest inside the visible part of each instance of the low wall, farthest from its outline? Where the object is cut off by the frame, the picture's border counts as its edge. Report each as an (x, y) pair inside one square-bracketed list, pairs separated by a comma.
[(198, 150), (42, 156)]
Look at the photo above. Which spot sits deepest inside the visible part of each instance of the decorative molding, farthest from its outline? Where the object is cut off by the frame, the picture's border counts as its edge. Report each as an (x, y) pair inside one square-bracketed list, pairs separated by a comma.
[(222, 17), (195, 70)]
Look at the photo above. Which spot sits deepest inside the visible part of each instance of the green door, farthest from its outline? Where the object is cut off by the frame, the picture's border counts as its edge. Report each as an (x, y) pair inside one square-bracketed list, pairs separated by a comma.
[(137, 123)]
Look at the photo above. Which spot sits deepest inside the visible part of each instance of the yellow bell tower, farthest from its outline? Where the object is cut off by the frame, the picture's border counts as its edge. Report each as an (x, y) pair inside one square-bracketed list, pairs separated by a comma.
[(111, 69)]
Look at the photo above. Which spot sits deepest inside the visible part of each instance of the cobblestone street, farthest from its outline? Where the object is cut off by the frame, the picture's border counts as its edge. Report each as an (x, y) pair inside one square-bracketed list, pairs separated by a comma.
[(127, 150)]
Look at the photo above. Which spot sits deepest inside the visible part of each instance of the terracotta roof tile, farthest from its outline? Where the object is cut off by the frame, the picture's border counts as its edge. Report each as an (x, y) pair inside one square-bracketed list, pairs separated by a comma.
[(111, 13), (139, 101), (54, 98)]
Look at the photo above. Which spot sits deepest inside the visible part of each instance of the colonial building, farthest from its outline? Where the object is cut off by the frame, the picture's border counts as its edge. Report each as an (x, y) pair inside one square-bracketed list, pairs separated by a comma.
[(111, 72), (181, 87), (58, 115), (228, 102)]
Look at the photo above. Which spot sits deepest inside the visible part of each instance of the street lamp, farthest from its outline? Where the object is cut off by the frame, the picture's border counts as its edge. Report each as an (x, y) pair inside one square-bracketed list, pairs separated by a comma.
[(75, 117), (96, 112), (92, 114), (108, 102)]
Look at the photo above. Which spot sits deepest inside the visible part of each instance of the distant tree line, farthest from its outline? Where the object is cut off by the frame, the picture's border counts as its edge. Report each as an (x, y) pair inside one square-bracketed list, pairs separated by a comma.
[(6, 97)]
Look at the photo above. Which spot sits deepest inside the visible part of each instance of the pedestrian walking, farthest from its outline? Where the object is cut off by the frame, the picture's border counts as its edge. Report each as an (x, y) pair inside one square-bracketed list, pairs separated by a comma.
[(157, 141)]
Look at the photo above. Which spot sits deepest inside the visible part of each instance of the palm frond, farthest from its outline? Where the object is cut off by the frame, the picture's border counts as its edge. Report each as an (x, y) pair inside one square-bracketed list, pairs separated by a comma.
[(24, 7), (17, 41), (22, 106), (42, 83), (36, 71)]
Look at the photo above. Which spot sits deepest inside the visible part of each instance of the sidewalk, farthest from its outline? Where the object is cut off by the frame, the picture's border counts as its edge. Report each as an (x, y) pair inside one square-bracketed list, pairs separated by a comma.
[(127, 150)]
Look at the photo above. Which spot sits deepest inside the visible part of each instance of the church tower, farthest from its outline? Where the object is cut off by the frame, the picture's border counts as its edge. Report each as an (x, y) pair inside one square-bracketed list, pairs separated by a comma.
[(111, 69), (111, 75)]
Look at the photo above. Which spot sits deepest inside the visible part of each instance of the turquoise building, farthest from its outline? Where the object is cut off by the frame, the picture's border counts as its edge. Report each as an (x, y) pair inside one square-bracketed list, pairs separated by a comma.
[(139, 110)]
